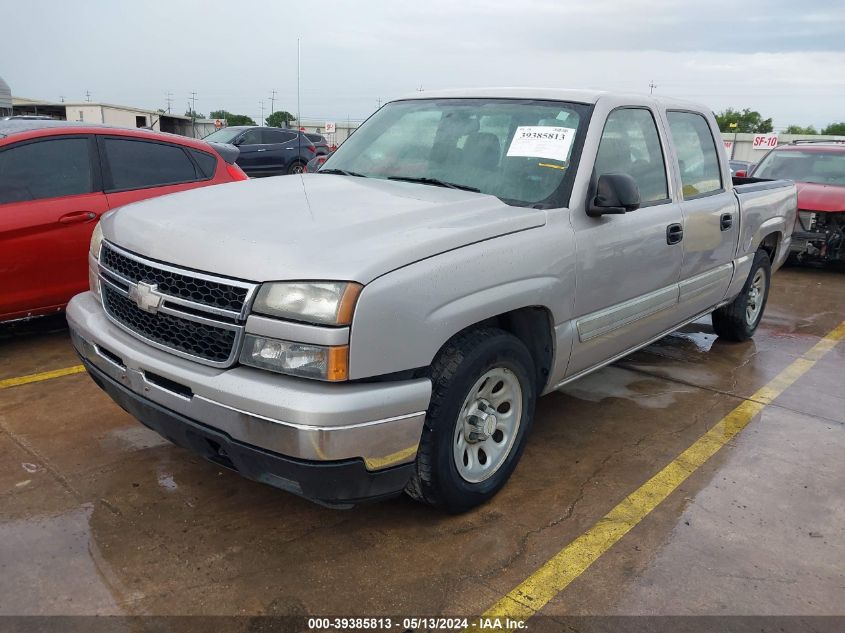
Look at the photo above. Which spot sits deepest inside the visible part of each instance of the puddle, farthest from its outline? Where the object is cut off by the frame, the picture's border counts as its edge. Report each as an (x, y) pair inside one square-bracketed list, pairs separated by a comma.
[(48, 568), (615, 382)]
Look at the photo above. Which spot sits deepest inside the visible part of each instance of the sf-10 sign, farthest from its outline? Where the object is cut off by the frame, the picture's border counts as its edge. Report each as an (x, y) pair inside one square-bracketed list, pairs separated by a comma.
[(765, 141)]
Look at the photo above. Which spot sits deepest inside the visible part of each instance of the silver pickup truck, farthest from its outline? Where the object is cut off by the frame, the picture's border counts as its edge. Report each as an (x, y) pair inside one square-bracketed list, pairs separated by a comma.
[(387, 323)]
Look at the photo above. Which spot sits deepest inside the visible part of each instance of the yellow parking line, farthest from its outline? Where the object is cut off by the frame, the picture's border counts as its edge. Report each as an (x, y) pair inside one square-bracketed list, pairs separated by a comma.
[(45, 375), (533, 593)]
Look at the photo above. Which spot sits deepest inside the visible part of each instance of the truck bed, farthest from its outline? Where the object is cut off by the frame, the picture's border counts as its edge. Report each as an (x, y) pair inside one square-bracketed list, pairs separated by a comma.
[(762, 201)]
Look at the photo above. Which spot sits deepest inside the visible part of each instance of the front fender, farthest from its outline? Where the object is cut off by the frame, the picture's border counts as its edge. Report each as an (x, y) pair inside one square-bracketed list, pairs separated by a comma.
[(404, 317)]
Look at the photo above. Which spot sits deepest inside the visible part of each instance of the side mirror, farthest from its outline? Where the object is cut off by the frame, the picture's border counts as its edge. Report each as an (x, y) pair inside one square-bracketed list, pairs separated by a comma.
[(238, 141), (614, 194)]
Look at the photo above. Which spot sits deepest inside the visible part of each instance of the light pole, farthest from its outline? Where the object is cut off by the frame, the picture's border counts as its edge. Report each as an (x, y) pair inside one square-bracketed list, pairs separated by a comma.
[(735, 126)]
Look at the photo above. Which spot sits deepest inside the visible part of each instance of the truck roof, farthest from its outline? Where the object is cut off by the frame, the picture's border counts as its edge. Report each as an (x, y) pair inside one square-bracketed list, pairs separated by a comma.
[(554, 94)]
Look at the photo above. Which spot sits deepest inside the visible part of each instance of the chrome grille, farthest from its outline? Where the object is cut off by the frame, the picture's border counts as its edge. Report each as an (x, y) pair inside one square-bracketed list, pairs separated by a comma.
[(184, 285), (187, 313), (197, 339)]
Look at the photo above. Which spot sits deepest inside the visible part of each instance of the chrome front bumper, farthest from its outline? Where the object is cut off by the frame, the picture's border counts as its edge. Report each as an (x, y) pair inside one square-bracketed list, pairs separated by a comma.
[(379, 423)]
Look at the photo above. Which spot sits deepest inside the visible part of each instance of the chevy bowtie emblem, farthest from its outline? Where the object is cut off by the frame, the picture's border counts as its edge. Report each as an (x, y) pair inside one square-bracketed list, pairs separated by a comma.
[(146, 296)]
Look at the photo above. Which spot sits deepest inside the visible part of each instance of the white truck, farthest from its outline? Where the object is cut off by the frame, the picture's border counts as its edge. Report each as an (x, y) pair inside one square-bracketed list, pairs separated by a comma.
[(387, 323)]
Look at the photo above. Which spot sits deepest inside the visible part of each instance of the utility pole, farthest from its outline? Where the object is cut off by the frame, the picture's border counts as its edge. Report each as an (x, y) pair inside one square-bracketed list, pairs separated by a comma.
[(298, 105), (61, 98), (88, 96), (168, 96), (735, 127), (420, 89), (193, 114), (261, 103), (651, 87), (272, 101), (379, 103)]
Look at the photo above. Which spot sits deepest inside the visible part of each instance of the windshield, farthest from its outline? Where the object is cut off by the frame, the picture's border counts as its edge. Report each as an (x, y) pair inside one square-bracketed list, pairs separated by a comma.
[(226, 135), (825, 168), (520, 151)]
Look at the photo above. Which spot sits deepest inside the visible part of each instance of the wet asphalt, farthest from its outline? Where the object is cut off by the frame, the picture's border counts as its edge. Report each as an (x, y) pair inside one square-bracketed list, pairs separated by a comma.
[(99, 515)]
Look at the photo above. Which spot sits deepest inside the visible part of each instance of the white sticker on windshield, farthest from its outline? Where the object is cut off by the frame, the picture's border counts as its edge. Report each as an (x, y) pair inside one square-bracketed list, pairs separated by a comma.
[(538, 141)]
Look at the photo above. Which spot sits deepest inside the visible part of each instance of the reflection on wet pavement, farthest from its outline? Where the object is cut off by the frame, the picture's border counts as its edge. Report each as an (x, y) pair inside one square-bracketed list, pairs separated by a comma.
[(100, 515)]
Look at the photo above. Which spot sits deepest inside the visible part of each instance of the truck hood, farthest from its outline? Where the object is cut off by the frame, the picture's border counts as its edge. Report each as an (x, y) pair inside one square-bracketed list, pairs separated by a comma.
[(314, 226), (816, 197)]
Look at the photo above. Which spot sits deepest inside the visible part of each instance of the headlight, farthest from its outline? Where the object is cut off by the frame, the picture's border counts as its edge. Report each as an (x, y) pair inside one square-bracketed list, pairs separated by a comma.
[(296, 359), (96, 240), (93, 281), (323, 302)]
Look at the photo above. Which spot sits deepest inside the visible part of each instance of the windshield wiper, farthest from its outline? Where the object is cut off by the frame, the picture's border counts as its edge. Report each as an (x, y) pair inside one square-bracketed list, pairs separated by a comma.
[(341, 172), (435, 181)]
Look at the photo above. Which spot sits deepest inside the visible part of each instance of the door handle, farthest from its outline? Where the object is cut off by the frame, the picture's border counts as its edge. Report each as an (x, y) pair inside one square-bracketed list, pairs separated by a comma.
[(77, 216), (261, 149), (674, 233), (726, 221)]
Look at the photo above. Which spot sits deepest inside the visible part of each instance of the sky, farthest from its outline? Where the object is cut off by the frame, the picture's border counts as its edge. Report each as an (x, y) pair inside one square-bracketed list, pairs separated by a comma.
[(784, 58)]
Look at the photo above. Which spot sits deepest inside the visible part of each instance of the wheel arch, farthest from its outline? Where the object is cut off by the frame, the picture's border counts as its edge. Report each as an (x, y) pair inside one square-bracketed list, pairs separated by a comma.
[(533, 325), (770, 243)]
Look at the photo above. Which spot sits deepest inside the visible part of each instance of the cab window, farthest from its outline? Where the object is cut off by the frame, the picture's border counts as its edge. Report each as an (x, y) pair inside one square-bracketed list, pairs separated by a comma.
[(630, 145), (698, 161)]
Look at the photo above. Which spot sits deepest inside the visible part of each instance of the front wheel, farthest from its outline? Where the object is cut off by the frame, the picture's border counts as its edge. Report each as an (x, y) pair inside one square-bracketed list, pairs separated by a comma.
[(482, 406), (738, 320)]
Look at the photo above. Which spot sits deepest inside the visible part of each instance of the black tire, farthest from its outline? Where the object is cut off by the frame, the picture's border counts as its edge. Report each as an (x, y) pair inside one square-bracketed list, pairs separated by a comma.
[(296, 167), (733, 322), (464, 361)]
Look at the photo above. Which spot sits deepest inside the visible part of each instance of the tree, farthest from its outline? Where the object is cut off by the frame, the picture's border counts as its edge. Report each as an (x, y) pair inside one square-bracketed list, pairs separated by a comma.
[(835, 129), (281, 118), (194, 114), (797, 129), (232, 119), (747, 120)]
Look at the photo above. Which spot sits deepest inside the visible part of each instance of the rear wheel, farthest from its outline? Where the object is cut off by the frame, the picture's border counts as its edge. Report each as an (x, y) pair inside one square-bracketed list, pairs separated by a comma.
[(296, 168), (738, 320), (481, 409)]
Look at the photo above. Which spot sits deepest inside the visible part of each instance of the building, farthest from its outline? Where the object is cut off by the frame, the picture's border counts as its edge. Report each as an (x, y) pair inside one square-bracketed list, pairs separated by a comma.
[(5, 98), (117, 115)]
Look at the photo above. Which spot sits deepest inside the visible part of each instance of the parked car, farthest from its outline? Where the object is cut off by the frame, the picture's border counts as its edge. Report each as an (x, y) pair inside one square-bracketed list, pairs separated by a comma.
[(26, 117), (58, 178), (739, 168), (267, 151), (387, 323), (315, 163), (320, 144), (818, 168)]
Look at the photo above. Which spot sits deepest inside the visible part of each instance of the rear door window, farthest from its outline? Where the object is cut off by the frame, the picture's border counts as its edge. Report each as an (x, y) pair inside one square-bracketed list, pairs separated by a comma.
[(137, 164), (45, 169), (277, 136), (698, 161), (207, 163)]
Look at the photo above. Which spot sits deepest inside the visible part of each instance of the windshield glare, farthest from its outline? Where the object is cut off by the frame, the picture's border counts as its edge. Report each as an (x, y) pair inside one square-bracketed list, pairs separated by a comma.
[(517, 150), (825, 168), (226, 135)]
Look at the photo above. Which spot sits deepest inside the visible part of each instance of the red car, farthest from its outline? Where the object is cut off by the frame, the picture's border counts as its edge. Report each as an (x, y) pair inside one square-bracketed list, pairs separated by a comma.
[(58, 178), (818, 169)]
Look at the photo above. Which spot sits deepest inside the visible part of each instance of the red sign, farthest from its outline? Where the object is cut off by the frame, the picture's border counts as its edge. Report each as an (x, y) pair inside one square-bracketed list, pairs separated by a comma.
[(765, 141)]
